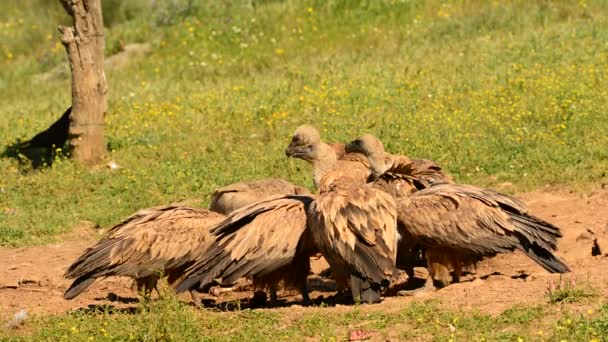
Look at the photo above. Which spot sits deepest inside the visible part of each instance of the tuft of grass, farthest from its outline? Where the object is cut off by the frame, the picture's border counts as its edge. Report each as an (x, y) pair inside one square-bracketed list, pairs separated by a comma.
[(568, 291)]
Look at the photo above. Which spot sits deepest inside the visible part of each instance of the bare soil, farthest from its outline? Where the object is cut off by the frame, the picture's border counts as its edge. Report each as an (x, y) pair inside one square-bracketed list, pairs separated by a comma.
[(31, 278)]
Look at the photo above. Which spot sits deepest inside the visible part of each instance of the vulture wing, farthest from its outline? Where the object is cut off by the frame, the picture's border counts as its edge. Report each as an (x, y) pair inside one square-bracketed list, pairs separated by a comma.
[(234, 196), (479, 222), (150, 242), (426, 172), (253, 241)]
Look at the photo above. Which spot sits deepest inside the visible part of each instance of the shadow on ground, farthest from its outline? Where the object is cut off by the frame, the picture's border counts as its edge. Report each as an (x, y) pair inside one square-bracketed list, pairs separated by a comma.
[(42, 149)]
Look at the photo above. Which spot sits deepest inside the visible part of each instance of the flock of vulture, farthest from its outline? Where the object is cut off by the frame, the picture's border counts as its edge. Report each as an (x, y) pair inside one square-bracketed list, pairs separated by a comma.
[(372, 213)]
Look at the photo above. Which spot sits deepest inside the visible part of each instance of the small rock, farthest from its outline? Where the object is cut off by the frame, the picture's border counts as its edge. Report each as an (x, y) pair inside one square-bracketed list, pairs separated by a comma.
[(604, 186), (18, 319), (10, 211), (30, 280), (601, 243), (595, 249), (9, 284), (421, 273), (112, 165), (359, 335), (477, 281), (578, 221)]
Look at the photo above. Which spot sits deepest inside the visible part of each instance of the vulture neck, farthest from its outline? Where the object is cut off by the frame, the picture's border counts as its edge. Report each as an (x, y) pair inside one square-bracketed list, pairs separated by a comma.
[(325, 162)]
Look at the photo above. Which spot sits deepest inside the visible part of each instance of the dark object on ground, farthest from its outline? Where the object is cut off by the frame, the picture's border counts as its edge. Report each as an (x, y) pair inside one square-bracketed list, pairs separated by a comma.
[(42, 148)]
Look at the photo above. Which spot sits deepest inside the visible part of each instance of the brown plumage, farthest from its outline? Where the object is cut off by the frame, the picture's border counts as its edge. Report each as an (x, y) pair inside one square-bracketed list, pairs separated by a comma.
[(399, 171), (352, 224), (306, 144), (231, 197), (459, 225), (268, 240), (401, 177), (153, 242)]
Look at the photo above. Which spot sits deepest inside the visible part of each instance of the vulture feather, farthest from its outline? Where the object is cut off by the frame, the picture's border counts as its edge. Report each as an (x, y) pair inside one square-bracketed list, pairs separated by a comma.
[(231, 197), (352, 224), (401, 171), (268, 240), (153, 242), (306, 144), (463, 223), (459, 225)]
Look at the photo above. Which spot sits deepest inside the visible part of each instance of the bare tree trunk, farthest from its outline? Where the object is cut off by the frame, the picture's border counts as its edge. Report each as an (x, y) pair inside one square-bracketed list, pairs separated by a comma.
[(84, 43)]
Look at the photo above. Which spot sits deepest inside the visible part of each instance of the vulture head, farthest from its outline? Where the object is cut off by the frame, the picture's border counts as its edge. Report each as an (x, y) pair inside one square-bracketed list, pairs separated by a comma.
[(304, 144), (368, 145), (373, 149)]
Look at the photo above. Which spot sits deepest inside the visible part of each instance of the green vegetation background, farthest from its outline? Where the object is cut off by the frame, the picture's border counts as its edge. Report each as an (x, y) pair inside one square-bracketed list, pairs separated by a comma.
[(495, 91)]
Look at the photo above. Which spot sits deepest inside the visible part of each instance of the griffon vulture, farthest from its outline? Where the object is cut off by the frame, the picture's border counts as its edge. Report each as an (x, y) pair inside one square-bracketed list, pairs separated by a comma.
[(459, 224), (231, 197), (145, 246), (306, 144), (417, 174), (352, 223), (268, 240)]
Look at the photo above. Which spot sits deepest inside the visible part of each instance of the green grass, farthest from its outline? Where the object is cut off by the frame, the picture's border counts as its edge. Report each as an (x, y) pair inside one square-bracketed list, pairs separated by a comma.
[(171, 320), (565, 291), (494, 91)]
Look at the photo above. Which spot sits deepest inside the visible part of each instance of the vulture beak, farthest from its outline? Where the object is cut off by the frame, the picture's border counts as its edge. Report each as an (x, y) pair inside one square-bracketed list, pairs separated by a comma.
[(298, 151), (289, 151)]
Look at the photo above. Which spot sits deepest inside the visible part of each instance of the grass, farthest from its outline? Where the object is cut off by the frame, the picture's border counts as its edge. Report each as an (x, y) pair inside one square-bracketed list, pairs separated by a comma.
[(568, 291), (172, 320), (496, 92)]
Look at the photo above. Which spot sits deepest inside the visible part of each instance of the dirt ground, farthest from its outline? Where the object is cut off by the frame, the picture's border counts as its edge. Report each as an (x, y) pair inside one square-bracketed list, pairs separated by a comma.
[(31, 278)]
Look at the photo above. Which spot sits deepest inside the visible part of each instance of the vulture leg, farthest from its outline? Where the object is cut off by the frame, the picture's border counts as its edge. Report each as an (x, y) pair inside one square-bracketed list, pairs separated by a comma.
[(146, 285), (195, 299), (273, 294), (305, 297), (439, 274), (457, 273), (364, 292), (438, 271)]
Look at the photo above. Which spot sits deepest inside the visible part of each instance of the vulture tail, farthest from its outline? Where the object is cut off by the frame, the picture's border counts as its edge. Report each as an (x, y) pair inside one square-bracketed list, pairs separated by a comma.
[(538, 239), (204, 272), (78, 286), (545, 258), (536, 230)]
